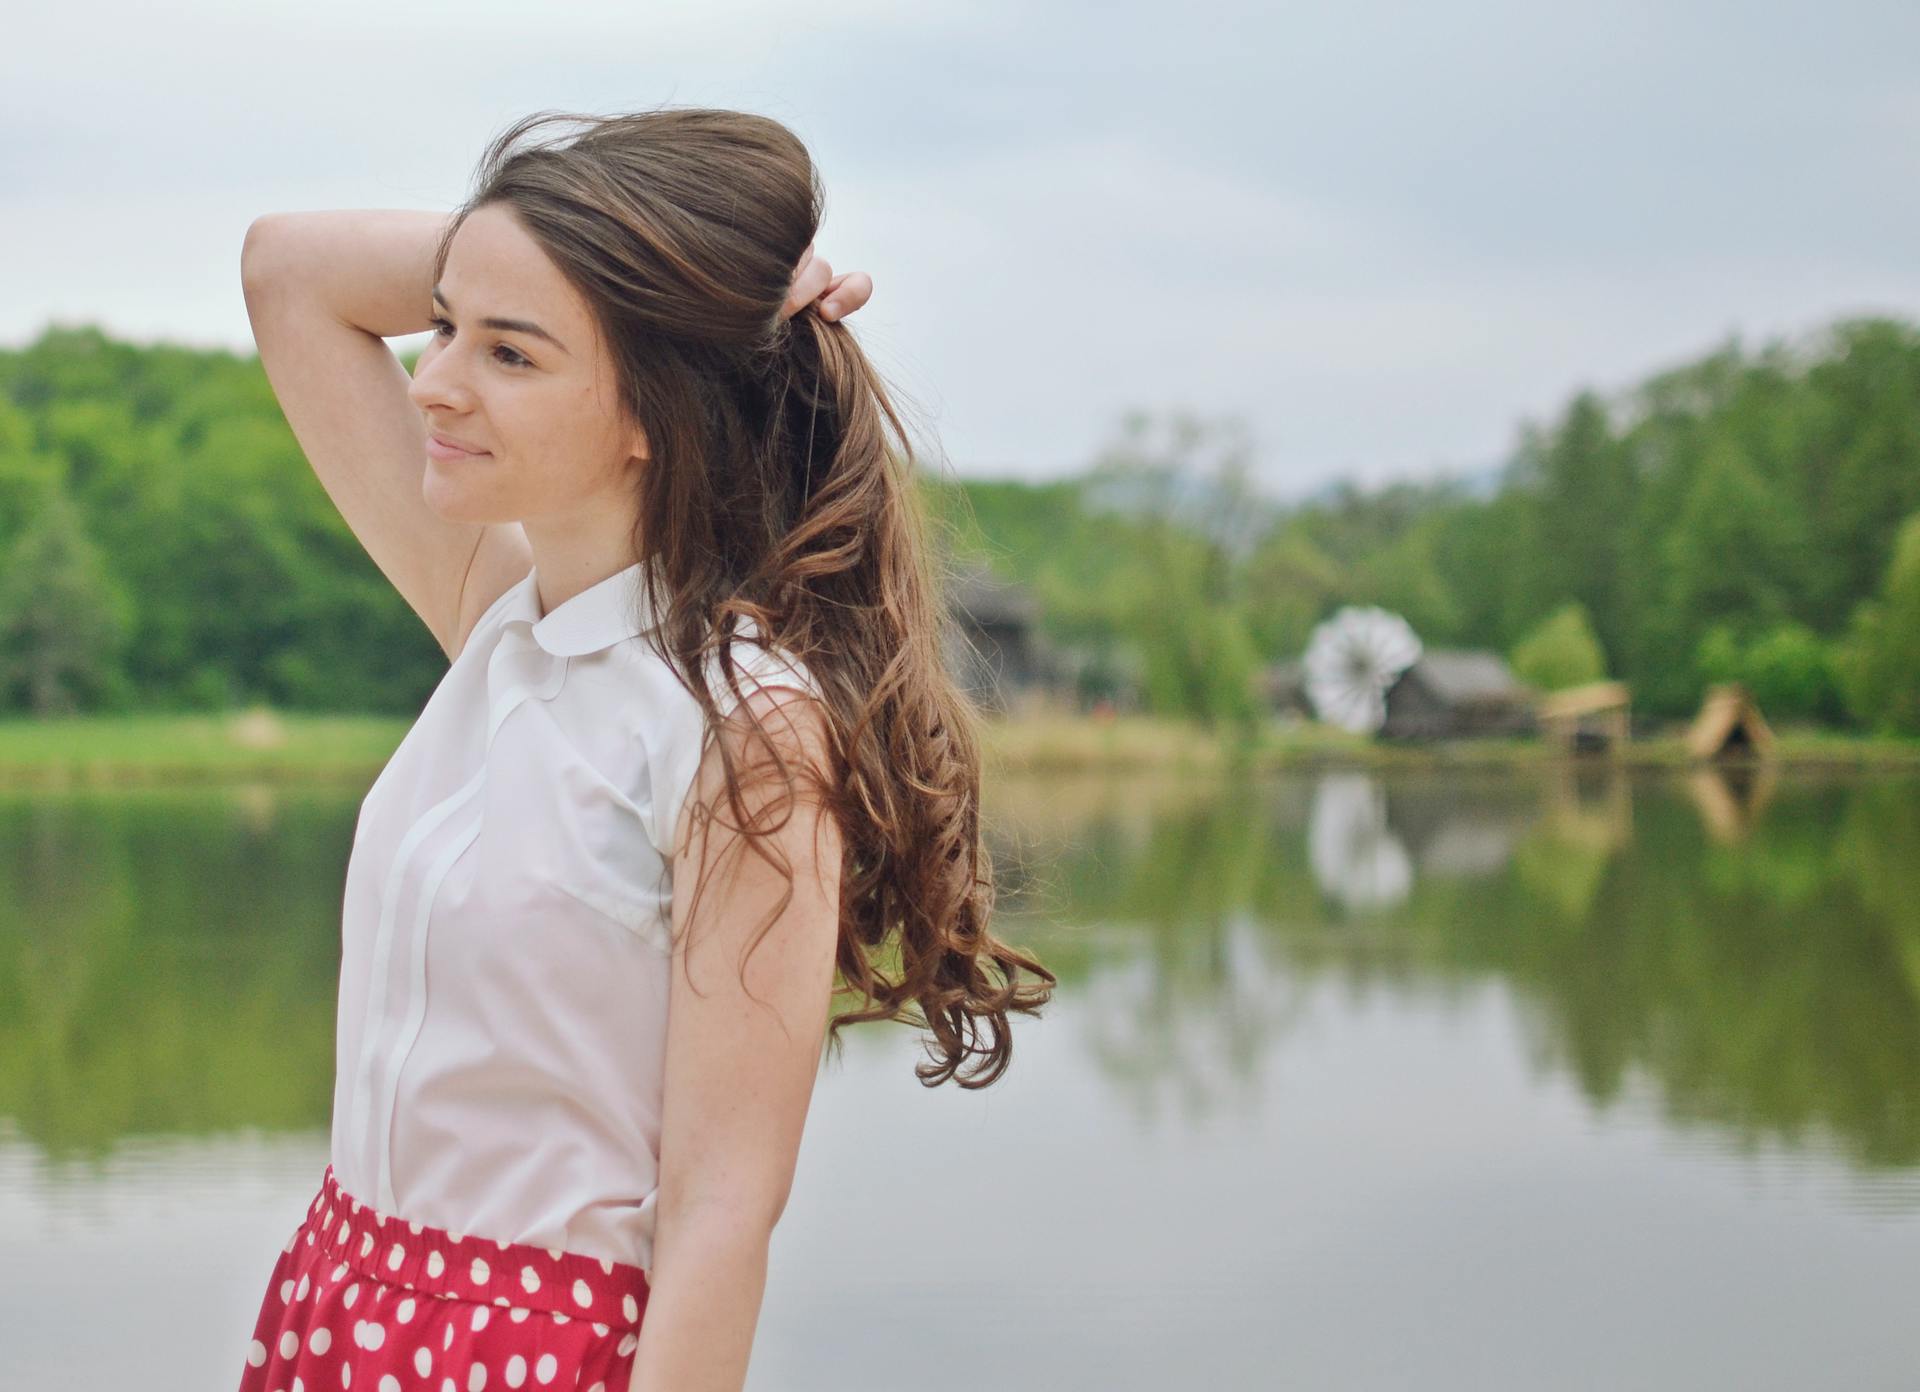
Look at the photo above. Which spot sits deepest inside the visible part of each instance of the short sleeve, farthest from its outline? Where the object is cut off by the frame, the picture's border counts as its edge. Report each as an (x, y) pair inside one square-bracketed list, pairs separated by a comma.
[(674, 756)]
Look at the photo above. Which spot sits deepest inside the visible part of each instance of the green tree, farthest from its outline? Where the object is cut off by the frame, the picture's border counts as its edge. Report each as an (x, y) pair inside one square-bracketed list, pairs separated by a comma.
[(1790, 672), (1183, 494), (1862, 463), (1583, 486), (1561, 652), (1733, 552), (61, 622), (1880, 665)]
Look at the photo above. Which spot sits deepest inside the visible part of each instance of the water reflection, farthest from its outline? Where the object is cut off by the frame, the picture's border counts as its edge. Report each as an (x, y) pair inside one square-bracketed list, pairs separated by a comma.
[(1357, 858), (1341, 1014), (167, 962)]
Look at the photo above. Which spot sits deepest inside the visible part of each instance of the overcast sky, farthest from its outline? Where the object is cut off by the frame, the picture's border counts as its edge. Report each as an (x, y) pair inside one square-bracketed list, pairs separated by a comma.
[(1382, 233)]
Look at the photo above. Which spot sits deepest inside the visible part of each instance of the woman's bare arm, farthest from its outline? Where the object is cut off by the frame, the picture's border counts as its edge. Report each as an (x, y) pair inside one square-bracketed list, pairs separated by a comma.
[(324, 289), (741, 1057), (371, 267)]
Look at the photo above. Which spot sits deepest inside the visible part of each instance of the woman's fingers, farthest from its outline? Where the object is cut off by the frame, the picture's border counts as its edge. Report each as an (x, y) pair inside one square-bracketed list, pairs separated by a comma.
[(846, 293), (813, 279)]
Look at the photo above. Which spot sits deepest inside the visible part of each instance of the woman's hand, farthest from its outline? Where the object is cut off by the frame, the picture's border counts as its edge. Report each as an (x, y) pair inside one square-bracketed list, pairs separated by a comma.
[(838, 295)]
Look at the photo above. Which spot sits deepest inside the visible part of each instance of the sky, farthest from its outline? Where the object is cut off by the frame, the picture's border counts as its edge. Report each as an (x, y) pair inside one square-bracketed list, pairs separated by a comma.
[(1382, 236)]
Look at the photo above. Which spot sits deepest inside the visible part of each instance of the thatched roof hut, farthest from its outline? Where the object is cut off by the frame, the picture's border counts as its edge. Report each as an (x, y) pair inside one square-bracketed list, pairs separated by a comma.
[(1589, 718), (1729, 726)]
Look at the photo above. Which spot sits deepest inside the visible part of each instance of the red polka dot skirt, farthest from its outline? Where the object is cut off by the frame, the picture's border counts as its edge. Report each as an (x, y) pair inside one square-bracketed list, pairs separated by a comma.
[(365, 1300)]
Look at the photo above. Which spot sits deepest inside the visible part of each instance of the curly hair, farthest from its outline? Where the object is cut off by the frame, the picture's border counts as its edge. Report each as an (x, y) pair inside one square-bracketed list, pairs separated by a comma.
[(780, 490)]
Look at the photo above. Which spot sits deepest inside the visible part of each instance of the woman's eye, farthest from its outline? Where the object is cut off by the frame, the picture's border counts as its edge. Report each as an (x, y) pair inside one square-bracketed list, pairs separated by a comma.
[(512, 359)]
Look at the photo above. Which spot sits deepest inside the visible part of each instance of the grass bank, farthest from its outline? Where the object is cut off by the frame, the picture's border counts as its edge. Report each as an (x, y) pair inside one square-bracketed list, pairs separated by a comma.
[(257, 744)]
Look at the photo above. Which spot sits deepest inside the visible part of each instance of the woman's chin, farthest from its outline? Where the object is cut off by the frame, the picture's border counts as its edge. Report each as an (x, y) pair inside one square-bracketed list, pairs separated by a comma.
[(453, 501)]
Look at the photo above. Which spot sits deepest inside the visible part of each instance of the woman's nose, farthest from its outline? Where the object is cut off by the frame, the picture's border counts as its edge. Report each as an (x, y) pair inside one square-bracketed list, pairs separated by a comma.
[(436, 381)]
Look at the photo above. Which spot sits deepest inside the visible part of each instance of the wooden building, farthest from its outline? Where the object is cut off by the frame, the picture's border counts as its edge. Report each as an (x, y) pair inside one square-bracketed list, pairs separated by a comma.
[(995, 649), (1457, 694)]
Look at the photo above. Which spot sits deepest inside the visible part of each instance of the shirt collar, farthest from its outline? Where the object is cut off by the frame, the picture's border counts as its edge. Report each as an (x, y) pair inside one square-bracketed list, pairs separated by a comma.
[(608, 611)]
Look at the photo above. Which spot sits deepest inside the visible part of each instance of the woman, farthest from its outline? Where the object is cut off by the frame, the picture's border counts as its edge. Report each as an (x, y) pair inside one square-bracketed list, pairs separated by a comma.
[(657, 521)]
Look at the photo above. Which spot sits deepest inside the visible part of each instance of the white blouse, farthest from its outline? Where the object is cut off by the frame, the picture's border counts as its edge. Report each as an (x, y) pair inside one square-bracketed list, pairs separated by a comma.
[(501, 1033)]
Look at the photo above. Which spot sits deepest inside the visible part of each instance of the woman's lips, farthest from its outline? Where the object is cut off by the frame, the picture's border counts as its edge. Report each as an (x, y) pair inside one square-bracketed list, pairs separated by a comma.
[(440, 449)]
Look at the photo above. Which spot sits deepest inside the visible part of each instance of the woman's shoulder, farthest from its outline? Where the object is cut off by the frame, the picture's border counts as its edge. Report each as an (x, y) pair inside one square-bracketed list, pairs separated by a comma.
[(674, 733), (761, 666)]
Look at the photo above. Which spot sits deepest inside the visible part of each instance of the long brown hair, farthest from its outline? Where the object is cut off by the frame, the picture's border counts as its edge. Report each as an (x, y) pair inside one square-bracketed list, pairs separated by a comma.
[(780, 489)]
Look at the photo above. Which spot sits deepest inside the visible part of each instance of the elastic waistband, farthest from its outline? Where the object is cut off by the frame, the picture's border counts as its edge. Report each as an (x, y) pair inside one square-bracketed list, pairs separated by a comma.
[(460, 1266)]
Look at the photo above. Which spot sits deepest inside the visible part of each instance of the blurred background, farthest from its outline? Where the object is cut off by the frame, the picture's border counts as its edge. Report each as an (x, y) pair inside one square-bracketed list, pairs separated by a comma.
[(1432, 503)]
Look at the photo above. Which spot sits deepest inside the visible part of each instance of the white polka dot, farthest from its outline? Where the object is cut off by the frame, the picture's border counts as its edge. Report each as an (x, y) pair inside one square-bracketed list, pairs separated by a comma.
[(456, 1237), (422, 1362), (289, 1344), (516, 1370), (376, 1335), (606, 1266), (627, 1345), (405, 1311), (630, 1308), (353, 1294), (256, 1353), (600, 1329), (559, 1318), (500, 1300), (299, 1386), (476, 1377), (286, 1291), (598, 1387), (346, 1230), (446, 1385), (366, 1243), (320, 1340), (546, 1367), (300, 1291), (501, 1243), (339, 1271), (389, 1383), (447, 1341), (414, 1228), (582, 1294), (309, 1239), (479, 1318), (395, 1257), (518, 1314), (529, 1279), (346, 1374), (479, 1271), (435, 1263)]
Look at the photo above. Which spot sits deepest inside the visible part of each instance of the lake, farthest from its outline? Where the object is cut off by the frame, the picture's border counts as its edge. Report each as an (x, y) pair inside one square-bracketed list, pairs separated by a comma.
[(1548, 1079)]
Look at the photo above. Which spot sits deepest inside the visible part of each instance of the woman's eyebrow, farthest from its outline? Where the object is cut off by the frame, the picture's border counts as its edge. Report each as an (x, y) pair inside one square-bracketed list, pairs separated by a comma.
[(508, 325)]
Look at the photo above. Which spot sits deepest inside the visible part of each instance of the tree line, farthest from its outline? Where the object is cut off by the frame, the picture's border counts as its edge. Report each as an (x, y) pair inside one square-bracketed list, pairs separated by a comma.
[(1752, 516)]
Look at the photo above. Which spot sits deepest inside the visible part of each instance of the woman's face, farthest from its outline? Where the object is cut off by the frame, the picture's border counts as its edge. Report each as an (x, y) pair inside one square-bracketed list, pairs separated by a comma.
[(539, 400)]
